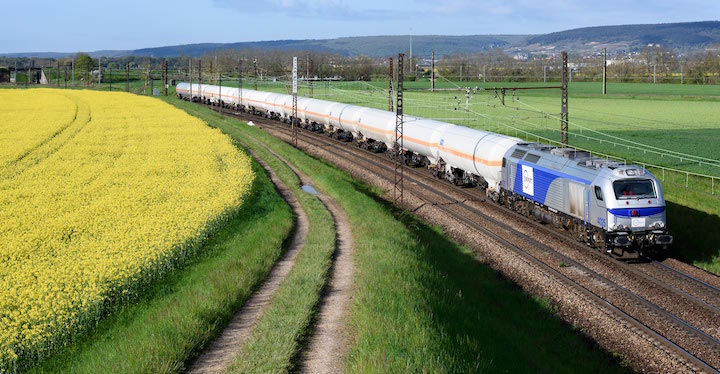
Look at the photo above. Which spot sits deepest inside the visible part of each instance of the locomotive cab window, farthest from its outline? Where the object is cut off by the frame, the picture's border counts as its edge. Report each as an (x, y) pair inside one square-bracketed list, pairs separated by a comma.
[(634, 188), (598, 193)]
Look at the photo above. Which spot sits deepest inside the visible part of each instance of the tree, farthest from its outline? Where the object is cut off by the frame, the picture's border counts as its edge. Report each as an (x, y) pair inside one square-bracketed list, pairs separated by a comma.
[(83, 62)]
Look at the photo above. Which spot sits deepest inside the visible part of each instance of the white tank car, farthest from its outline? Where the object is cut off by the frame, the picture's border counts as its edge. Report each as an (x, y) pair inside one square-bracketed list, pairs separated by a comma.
[(422, 136), (229, 95), (184, 90), (210, 92), (374, 124), (475, 151)]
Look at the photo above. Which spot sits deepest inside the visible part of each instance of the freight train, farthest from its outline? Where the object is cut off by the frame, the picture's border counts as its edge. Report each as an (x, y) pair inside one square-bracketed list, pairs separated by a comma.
[(612, 206)]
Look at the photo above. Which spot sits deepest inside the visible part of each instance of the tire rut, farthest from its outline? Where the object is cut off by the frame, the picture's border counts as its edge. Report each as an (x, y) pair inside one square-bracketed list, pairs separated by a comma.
[(220, 353)]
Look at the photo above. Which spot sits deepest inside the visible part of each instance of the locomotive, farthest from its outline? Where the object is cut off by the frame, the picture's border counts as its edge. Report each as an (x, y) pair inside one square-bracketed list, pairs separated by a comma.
[(612, 206)]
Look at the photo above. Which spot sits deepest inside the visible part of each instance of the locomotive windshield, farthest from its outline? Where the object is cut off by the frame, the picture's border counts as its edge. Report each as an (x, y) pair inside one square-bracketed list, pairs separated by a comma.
[(633, 188)]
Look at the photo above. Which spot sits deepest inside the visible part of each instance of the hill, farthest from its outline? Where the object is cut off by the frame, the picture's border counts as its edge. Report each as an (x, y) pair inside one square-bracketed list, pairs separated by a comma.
[(681, 37)]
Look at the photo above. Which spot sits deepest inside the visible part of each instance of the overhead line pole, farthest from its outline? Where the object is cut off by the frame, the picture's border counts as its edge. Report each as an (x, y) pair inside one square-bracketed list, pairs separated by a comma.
[(604, 71), (165, 68), (239, 83), (294, 106), (220, 100), (255, 67), (432, 73), (564, 102), (398, 143), (390, 86)]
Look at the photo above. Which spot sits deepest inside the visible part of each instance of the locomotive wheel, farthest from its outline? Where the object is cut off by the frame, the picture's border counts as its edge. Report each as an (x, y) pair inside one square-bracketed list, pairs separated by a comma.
[(598, 241)]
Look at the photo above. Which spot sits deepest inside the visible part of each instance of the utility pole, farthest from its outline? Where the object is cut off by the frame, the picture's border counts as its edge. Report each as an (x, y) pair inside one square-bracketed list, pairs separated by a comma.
[(294, 124), (152, 81), (564, 102), (199, 77), (654, 73), (483, 73), (65, 68), (681, 75), (544, 73), (16, 76), (190, 76), (432, 73), (73, 71), (99, 72), (255, 67), (110, 77), (57, 77), (398, 143), (461, 64), (604, 71), (127, 76), (211, 73), (390, 85)]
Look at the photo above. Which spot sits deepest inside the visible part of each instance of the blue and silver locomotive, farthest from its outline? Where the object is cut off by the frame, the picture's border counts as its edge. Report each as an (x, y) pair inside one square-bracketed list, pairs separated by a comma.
[(612, 206)]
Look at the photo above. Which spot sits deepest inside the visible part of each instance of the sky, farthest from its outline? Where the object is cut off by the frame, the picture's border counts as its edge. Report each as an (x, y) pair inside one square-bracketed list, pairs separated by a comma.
[(79, 25)]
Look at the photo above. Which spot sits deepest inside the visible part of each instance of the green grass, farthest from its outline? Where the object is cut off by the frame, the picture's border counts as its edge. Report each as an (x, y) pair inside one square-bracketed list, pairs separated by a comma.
[(176, 316), (423, 303), (278, 336)]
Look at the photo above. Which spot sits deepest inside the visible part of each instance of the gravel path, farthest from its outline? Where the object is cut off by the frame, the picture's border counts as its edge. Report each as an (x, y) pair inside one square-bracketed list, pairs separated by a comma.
[(219, 354)]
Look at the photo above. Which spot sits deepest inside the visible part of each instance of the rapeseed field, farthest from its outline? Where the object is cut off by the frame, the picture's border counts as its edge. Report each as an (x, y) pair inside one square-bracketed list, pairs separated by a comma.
[(100, 194)]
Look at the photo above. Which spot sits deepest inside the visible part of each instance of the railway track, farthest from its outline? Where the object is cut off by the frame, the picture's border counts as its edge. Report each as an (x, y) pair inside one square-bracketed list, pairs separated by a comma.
[(637, 296)]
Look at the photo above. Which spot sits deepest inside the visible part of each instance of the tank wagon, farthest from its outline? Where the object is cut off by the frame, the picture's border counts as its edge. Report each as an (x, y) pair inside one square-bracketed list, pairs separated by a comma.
[(611, 206)]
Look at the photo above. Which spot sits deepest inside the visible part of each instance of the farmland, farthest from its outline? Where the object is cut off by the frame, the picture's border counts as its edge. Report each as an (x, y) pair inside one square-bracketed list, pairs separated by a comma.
[(100, 194)]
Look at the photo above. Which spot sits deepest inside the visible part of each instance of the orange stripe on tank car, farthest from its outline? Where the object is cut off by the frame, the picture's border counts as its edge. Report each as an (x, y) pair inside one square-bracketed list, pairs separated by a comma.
[(471, 158)]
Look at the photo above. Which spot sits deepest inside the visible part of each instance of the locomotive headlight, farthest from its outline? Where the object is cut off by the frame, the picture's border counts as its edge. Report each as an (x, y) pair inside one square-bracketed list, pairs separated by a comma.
[(658, 225)]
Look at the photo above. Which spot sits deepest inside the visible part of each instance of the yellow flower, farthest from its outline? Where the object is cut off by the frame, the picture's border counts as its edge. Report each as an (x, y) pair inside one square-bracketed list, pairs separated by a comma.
[(99, 193)]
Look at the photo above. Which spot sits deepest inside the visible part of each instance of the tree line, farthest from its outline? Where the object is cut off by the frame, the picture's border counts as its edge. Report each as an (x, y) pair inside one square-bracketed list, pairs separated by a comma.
[(651, 64)]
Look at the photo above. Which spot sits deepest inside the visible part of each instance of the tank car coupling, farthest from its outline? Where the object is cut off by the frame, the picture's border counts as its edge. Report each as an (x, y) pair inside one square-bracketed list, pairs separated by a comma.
[(622, 240)]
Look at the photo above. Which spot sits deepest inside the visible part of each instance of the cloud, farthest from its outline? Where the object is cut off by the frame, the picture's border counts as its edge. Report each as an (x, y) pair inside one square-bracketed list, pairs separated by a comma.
[(334, 9)]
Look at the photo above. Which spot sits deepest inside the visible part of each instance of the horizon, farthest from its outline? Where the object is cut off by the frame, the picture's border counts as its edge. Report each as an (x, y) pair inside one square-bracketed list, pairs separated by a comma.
[(82, 26)]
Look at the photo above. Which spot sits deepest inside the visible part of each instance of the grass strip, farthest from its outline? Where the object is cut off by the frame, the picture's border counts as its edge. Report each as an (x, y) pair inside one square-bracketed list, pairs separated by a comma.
[(422, 302), (178, 315)]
